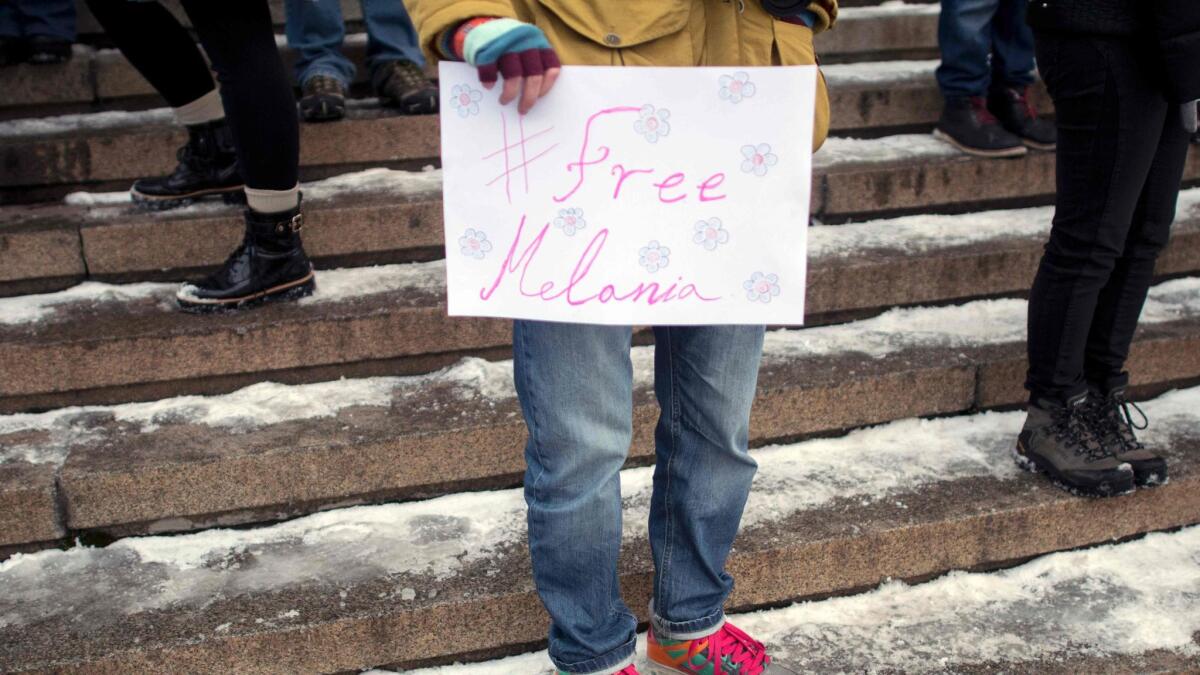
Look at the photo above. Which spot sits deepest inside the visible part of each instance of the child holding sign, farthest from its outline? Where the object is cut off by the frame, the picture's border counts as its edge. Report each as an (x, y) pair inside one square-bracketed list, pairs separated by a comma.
[(575, 381)]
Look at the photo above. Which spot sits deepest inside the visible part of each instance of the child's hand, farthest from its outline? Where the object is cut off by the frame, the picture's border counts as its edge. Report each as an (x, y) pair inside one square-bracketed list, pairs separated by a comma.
[(513, 49)]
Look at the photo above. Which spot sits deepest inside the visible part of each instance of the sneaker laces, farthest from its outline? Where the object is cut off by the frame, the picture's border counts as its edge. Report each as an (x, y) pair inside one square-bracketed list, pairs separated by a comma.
[(322, 85), (731, 647), (412, 78), (1120, 419), (985, 116)]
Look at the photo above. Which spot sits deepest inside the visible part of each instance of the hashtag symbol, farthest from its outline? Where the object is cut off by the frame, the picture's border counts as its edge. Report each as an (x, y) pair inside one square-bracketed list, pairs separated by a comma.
[(510, 166)]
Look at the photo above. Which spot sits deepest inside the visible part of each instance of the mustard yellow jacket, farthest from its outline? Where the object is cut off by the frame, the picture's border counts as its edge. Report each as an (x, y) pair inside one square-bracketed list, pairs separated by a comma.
[(649, 33)]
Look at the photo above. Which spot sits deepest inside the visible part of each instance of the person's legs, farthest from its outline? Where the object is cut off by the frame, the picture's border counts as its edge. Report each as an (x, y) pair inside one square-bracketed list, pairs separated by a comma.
[(575, 384), (391, 35), (965, 41), (271, 263), (315, 31), (705, 379), (1012, 46), (1120, 301), (1110, 121), (47, 18)]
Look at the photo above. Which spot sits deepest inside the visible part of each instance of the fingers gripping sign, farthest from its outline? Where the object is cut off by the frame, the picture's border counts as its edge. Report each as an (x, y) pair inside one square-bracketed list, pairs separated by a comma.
[(517, 51)]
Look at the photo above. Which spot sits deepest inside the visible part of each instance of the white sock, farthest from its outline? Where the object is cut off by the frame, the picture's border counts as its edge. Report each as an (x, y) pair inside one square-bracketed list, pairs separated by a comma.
[(272, 201), (204, 109)]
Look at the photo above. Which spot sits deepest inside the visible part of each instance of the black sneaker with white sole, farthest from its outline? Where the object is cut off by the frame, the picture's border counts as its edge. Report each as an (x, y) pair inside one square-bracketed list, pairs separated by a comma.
[(1060, 441), (269, 265), (967, 124), (207, 166)]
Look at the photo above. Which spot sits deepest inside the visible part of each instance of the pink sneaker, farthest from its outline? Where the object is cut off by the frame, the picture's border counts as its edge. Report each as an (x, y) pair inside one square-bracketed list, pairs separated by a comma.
[(729, 651)]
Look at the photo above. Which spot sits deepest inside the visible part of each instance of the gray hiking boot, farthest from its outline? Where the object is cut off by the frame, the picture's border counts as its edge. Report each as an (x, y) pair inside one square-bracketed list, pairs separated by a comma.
[(1114, 425), (1061, 442)]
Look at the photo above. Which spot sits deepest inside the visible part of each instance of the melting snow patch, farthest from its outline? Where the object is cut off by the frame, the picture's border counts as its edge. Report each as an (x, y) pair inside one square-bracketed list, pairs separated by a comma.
[(376, 180), (879, 72), (65, 124), (888, 9), (839, 151), (30, 308), (342, 284), (922, 233)]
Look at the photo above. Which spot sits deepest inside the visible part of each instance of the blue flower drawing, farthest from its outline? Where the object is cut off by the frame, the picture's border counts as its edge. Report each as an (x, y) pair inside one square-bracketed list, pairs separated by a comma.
[(761, 287), (652, 124), (654, 256), (710, 234), (570, 221), (736, 87), (757, 158), (474, 244), (465, 100)]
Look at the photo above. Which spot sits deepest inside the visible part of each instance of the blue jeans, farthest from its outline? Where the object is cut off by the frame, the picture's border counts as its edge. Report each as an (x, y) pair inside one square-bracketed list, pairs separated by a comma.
[(575, 384), (983, 43), (48, 18), (315, 30)]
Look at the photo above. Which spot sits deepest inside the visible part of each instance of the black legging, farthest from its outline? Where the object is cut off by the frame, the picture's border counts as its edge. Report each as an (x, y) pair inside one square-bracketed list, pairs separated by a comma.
[(1121, 153), (239, 38)]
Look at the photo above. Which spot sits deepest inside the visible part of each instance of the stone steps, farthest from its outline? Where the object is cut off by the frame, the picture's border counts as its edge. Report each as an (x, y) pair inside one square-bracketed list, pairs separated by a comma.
[(966, 622), (102, 78), (47, 157), (274, 451), (440, 580), (115, 343), (351, 217)]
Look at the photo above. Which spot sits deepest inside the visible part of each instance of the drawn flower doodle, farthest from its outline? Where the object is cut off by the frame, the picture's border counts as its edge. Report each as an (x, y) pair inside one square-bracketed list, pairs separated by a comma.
[(761, 287), (652, 124), (710, 234), (736, 87), (474, 244), (570, 221), (756, 159), (654, 256), (465, 100)]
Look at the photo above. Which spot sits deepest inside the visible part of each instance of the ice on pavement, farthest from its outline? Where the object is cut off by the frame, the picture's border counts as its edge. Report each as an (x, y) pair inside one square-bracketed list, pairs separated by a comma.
[(432, 540), (1117, 600)]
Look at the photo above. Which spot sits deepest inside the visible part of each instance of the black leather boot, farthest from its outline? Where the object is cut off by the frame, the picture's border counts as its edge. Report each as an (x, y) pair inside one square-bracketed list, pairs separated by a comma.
[(1018, 116), (967, 125), (207, 166), (269, 265)]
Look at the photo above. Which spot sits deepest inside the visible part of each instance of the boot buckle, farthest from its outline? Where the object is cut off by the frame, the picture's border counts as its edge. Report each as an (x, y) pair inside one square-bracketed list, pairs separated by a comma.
[(295, 224)]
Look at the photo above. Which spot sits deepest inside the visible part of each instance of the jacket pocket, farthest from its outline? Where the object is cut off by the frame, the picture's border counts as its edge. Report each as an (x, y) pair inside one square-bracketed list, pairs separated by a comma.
[(618, 25)]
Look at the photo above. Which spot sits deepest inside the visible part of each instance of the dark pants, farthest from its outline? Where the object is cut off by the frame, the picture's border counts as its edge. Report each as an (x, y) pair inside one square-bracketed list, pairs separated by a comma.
[(983, 43), (46, 18), (239, 38), (1121, 151)]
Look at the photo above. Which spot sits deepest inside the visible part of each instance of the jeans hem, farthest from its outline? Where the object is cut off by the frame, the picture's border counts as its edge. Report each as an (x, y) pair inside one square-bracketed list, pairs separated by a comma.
[(686, 630), (606, 664), (327, 72)]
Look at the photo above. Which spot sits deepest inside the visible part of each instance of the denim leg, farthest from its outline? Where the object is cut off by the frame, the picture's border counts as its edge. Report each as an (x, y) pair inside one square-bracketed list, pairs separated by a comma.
[(965, 41), (575, 384), (49, 18), (391, 35), (9, 28), (1012, 46), (705, 379), (315, 32)]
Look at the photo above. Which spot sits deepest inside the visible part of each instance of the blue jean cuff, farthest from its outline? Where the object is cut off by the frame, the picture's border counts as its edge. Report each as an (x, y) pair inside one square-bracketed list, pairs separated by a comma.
[(606, 664), (686, 630), (327, 72)]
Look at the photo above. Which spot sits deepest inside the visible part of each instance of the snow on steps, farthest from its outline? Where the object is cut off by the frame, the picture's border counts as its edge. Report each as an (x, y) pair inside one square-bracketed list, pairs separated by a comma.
[(97, 337), (273, 451), (1119, 608), (391, 584), (104, 77)]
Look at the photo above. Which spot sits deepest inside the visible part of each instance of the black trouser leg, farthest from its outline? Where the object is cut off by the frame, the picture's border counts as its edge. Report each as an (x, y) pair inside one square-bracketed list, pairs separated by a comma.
[(1113, 123), (158, 47), (255, 90)]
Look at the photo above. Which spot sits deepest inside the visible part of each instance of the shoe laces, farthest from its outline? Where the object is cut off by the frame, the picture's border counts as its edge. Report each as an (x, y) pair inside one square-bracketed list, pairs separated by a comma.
[(1117, 418), (411, 76), (731, 650), (985, 116), (322, 85), (1072, 427), (1021, 98)]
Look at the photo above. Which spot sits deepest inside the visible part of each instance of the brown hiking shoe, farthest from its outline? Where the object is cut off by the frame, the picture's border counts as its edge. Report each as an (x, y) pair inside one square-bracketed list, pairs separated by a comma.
[(1114, 424), (1060, 441), (323, 100), (403, 85)]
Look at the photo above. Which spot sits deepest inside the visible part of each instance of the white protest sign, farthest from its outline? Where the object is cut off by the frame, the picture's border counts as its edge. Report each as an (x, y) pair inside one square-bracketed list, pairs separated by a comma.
[(647, 196)]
